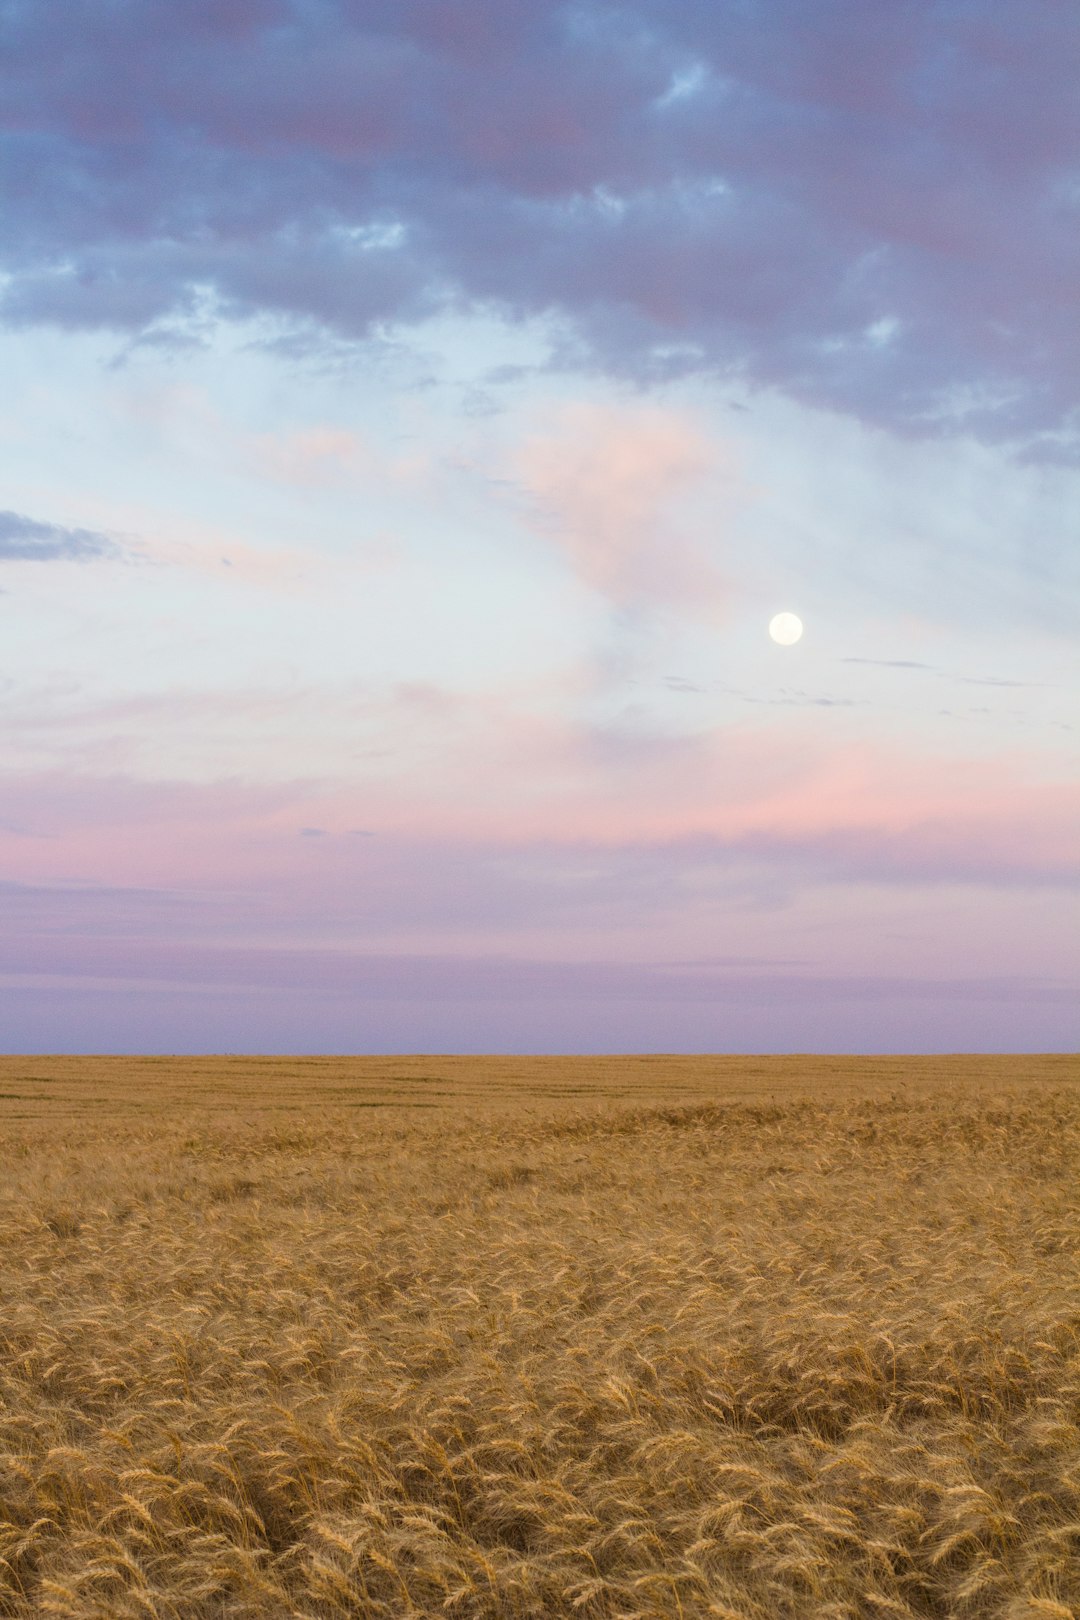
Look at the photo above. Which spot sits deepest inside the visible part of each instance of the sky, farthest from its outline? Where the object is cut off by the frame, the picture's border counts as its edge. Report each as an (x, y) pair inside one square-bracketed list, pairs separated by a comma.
[(413, 415)]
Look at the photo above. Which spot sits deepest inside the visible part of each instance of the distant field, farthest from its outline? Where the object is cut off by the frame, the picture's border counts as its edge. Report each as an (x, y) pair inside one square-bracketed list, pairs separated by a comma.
[(599, 1337), (49, 1086)]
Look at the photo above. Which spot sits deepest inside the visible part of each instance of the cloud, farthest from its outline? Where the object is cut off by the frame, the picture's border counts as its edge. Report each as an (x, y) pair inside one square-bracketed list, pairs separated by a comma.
[(871, 208), (602, 481), (24, 539), (482, 978), (781, 894), (892, 663), (515, 827), (313, 456)]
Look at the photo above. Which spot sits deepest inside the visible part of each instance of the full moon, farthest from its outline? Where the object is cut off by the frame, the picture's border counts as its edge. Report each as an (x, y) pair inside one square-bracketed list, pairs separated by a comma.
[(785, 628)]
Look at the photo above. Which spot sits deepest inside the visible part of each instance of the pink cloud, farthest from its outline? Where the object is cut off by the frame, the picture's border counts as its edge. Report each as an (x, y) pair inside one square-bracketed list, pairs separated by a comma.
[(504, 784), (605, 482), (230, 560), (315, 455), (497, 854), (325, 455)]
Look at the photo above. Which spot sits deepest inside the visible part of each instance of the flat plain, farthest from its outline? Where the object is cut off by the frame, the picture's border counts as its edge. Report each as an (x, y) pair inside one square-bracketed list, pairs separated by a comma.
[(664, 1337)]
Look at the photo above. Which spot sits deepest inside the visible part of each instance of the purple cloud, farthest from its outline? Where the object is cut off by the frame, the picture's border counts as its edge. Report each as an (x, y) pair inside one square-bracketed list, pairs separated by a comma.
[(390, 977), (872, 208), (24, 539)]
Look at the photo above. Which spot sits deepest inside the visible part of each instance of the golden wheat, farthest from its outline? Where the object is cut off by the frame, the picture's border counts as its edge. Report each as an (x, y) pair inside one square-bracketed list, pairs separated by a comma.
[(664, 1338)]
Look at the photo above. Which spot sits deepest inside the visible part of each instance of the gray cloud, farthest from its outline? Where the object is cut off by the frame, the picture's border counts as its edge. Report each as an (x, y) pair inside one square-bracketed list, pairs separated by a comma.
[(872, 208), (892, 663)]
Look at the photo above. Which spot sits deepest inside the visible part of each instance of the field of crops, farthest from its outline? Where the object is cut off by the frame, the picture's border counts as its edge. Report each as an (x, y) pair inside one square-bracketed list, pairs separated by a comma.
[(747, 1338)]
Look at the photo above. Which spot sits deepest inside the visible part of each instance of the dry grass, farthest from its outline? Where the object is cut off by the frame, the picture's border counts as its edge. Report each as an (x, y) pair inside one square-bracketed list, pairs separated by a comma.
[(729, 1338)]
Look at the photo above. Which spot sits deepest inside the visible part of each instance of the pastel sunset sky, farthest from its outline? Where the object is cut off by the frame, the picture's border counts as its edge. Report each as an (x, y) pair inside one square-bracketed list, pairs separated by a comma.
[(413, 413)]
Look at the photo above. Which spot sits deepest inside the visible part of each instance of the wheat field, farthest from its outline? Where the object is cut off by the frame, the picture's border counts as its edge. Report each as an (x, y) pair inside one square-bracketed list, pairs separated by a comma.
[(671, 1338)]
